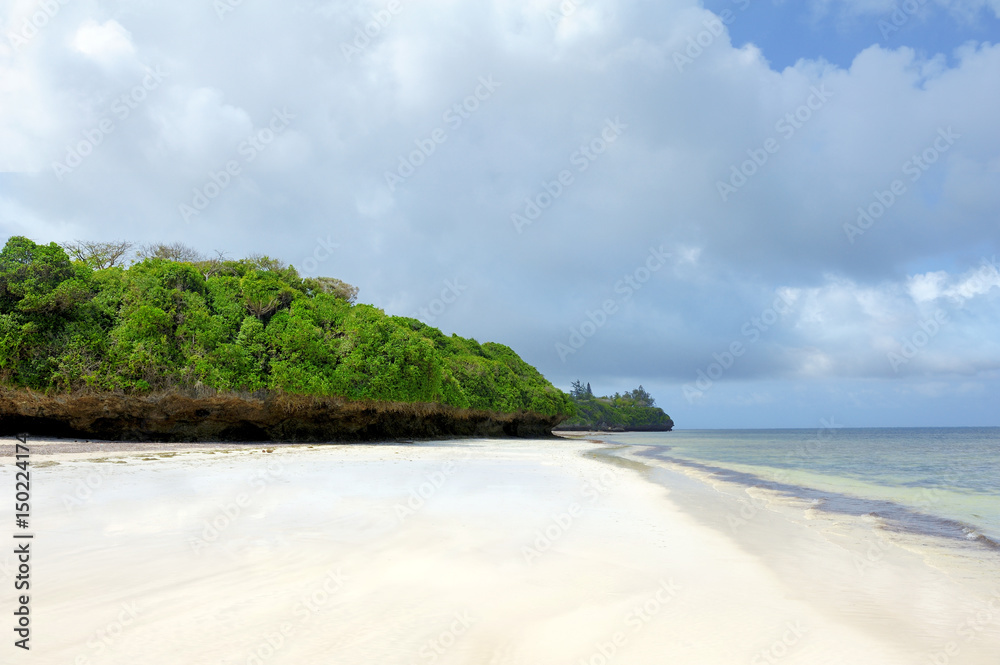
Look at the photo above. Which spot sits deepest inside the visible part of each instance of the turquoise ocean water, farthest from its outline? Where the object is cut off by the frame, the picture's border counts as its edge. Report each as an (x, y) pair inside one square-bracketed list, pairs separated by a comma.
[(942, 482)]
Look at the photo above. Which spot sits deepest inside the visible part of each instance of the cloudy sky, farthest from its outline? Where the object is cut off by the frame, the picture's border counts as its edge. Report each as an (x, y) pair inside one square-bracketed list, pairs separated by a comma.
[(767, 212)]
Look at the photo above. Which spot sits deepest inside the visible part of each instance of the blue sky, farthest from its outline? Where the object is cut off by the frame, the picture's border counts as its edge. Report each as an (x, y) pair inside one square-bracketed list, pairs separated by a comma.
[(837, 31), (794, 219)]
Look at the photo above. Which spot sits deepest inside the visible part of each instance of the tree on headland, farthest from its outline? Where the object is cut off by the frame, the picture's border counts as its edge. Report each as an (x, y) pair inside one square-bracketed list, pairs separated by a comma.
[(332, 286), (635, 409), (214, 265), (263, 296), (100, 255), (266, 263), (640, 397), (176, 251)]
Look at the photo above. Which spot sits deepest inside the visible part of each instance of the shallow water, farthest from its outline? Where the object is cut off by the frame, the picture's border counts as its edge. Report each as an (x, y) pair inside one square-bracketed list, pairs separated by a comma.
[(943, 482)]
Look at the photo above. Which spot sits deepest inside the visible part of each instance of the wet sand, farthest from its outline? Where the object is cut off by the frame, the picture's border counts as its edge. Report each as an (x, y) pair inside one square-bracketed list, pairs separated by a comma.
[(488, 552)]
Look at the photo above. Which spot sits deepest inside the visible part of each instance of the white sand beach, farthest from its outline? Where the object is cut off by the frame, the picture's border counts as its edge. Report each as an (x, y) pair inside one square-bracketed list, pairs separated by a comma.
[(494, 552)]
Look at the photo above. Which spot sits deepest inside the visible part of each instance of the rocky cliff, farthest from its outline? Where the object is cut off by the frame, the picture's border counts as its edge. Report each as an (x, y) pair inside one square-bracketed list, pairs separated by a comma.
[(174, 416)]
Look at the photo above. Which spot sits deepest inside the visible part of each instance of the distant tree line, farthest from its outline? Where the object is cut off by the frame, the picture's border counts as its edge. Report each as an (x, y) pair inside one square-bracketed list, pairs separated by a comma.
[(634, 409), (639, 396)]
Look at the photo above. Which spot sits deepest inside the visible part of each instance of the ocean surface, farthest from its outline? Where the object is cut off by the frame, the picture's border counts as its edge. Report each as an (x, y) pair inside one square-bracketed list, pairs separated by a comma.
[(941, 482)]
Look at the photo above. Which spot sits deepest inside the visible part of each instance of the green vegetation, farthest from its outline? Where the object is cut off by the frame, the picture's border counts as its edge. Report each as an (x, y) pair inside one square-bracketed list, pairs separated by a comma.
[(174, 319), (635, 410)]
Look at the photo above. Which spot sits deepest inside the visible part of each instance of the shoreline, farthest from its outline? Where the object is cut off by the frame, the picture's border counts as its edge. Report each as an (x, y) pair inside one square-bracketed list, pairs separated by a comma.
[(959, 575), (510, 551), (892, 516)]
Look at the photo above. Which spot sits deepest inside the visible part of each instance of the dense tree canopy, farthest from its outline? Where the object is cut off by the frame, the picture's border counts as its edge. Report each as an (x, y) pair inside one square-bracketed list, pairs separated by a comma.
[(235, 325), (636, 409)]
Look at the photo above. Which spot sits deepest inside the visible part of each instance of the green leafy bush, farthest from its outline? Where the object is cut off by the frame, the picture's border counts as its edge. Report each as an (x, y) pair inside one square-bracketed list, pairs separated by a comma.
[(241, 326)]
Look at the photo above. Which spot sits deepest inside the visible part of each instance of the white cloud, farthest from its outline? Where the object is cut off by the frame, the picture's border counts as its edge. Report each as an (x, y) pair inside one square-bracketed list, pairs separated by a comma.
[(656, 185), (847, 329), (927, 287), (28, 118), (107, 42), (198, 126)]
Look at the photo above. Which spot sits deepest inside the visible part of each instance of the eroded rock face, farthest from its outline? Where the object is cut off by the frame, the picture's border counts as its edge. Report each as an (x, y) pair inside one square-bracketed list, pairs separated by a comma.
[(231, 417)]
